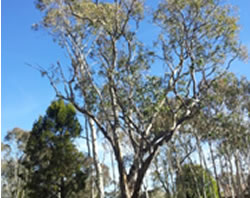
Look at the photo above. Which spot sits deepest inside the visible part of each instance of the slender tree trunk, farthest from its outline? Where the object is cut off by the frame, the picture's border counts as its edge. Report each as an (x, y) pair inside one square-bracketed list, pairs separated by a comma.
[(214, 167), (92, 191), (146, 191), (125, 188), (164, 182), (113, 170), (171, 169), (98, 168), (230, 179), (222, 172), (198, 144), (63, 193), (238, 178), (231, 174), (194, 174), (212, 190), (87, 137), (123, 182), (243, 174)]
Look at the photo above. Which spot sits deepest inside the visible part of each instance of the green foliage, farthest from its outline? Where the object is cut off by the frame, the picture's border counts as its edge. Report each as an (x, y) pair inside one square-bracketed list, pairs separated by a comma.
[(139, 97), (224, 116), (11, 168), (82, 14), (55, 165), (211, 29), (193, 181)]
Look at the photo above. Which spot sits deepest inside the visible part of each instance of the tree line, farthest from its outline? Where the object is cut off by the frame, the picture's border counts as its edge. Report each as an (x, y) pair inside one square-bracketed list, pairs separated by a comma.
[(208, 157)]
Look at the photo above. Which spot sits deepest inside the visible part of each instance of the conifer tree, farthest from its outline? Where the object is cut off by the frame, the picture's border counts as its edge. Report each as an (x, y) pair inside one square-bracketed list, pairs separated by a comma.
[(56, 168)]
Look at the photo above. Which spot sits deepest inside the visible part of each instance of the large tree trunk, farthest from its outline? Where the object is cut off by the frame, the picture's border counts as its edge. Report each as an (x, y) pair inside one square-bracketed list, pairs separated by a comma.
[(130, 184)]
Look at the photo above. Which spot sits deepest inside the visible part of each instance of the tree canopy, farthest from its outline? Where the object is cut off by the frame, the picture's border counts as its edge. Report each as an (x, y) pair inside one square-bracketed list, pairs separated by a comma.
[(124, 84)]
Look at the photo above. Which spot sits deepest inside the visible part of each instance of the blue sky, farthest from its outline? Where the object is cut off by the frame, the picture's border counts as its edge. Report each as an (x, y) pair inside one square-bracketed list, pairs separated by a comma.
[(25, 94)]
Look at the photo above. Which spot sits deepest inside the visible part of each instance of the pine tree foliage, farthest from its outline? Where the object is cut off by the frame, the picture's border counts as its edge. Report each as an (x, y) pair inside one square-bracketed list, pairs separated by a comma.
[(55, 166)]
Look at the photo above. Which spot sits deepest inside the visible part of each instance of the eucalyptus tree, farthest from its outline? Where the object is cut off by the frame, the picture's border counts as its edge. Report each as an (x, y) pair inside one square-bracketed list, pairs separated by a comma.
[(223, 127), (233, 142), (218, 137), (12, 150), (111, 77)]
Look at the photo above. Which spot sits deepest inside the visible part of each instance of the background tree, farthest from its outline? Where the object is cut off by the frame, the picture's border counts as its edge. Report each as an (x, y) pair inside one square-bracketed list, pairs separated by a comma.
[(11, 167), (223, 128), (217, 139), (55, 167), (111, 77), (190, 182)]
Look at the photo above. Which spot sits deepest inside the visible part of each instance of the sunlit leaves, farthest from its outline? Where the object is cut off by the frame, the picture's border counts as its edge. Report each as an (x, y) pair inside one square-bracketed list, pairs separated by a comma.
[(205, 30)]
